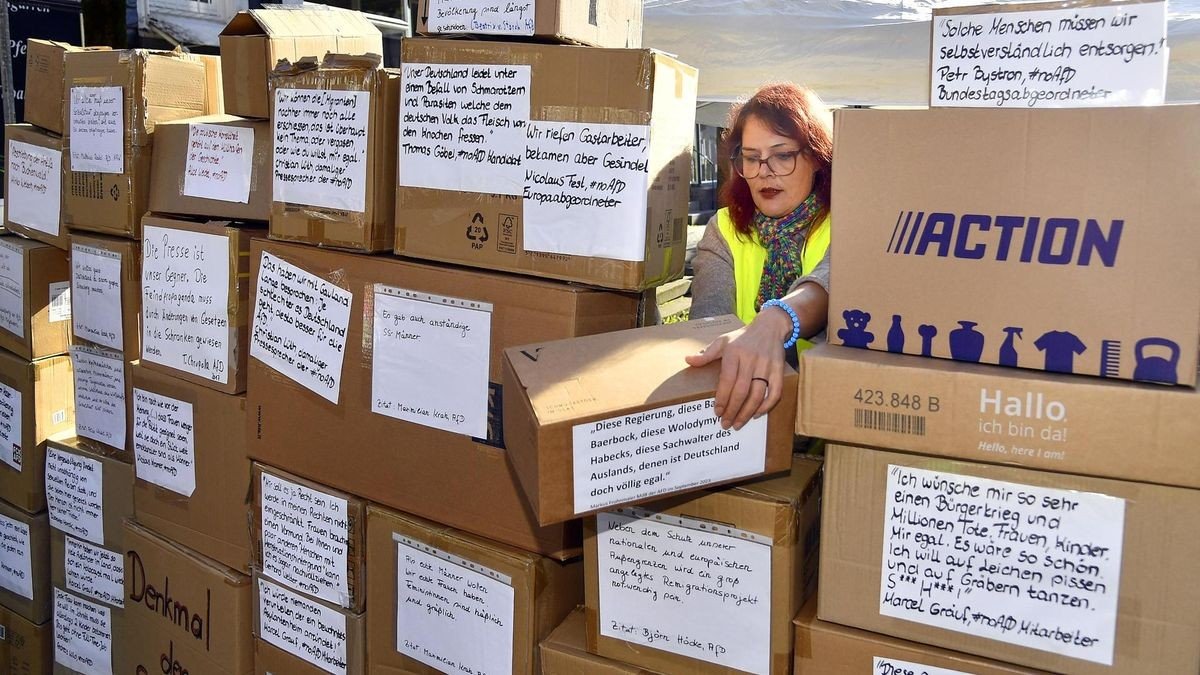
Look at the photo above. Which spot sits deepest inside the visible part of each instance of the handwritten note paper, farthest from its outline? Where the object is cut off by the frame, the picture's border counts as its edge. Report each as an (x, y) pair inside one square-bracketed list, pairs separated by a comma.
[(12, 288), (1028, 565), (164, 451), (10, 427), (34, 186), (100, 411), (186, 322), (300, 323), (583, 184), (16, 563), (95, 572), (430, 360), (305, 539), (321, 139), (452, 614), (96, 313), (301, 627), (219, 162), (97, 129), (666, 449), (882, 666), (82, 634), (462, 127), (75, 494), (701, 593), (1108, 55), (481, 16)]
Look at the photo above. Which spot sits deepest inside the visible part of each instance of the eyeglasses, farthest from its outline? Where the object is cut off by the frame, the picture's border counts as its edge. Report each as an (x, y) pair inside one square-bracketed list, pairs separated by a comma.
[(780, 163)]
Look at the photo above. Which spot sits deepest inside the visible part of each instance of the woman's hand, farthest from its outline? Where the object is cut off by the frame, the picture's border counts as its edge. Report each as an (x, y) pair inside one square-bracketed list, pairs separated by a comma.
[(752, 367)]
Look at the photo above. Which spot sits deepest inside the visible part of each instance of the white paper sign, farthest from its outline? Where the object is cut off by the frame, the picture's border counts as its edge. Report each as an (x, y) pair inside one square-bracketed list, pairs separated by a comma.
[(482, 16), (300, 323), (667, 449), (321, 139), (462, 127), (301, 627), (10, 426), (585, 189), (12, 288), (100, 411), (82, 634), (1111, 55), (95, 572), (1027, 565), (704, 594), (34, 186), (882, 666), (219, 162), (185, 301), (449, 616), (305, 539), (16, 563), (75, 494), (97, 129), (60, 301), (430, 360), (163, 442), (96, 297)]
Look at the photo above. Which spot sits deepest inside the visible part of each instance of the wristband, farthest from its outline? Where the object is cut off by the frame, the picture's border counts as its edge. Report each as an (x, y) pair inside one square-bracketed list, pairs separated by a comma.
[(791, 341)]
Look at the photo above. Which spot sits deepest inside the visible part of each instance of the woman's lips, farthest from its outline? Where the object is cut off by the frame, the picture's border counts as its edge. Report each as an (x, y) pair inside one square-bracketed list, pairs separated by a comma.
[(769, 192)]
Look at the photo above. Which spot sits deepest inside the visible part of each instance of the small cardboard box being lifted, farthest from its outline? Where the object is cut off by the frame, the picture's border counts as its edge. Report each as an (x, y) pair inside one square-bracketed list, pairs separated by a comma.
[(616, 23)]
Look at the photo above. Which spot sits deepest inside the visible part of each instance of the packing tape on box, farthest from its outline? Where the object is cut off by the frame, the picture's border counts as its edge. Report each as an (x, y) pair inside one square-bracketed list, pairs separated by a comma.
[(451, 558)]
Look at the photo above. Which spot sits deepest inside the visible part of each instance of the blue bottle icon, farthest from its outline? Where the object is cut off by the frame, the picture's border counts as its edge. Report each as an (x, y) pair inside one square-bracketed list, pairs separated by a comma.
[(895, 336)]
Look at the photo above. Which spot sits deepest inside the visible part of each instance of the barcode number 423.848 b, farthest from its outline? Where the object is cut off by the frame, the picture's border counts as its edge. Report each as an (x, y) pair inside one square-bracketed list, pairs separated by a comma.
[(882, 399)]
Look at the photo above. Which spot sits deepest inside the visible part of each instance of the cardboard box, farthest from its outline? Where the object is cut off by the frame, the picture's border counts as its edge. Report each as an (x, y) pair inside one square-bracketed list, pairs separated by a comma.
[(35, 306), (204, 627), (620, 418), (27, 648), (255, 40), (108, 168), (305, 635), (982, 413), (25, 563), (616, 24), (217, 166), (509, 599), (1052, 571), (454, 478), (101, 403), (36, 403), (310, 538), (33, 189), (96, 573), (526, 171), (89, 494), (192, 471), (44, 64), (753, 555), (564, 652), (824, 648), (195, 289), (1042, 255), (333, 186), (89, 636), (106, 296)]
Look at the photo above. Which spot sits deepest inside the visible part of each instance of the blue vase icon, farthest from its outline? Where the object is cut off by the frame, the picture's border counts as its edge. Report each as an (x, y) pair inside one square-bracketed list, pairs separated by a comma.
[(966, 343)]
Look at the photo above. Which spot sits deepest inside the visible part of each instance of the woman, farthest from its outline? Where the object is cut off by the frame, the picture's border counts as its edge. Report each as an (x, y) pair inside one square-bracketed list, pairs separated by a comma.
[(765, 255)]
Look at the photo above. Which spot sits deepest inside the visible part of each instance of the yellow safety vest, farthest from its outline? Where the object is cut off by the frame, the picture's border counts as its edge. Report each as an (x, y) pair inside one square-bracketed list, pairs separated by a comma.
[(749, 256)]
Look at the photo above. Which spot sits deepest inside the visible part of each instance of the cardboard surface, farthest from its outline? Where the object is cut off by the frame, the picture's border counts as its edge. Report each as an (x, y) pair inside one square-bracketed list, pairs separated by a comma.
[(443, 476), (1082, 268), (27, 648), (271, 660), (1155, 617), (46, 388), (130, 254), (116, 488), (824, 648), (204, 627), (613, 24), (45, 104), (784, 511), (640, 87), (551, 389), (235, 313), (26, 133), (564, 652), (171, 145), (544, 590), (44, 269), (1073, 424), (215, 519), (255, 40), (270, 654), (371, 230), (39, 608)]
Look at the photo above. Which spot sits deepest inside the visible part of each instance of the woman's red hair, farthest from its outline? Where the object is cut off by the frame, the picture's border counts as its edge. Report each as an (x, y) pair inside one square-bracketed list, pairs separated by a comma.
[(790, 110)]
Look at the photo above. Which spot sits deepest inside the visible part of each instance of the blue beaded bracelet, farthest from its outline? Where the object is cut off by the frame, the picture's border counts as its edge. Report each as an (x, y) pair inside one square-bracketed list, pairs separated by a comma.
[(791, 342)]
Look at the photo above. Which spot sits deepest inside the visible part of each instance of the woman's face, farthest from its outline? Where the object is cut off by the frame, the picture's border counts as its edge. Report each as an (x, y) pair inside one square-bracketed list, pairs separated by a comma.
[(775, 195)]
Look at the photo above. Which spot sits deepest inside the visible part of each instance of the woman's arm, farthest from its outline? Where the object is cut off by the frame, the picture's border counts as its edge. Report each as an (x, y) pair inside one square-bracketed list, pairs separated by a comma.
[(712, 278)]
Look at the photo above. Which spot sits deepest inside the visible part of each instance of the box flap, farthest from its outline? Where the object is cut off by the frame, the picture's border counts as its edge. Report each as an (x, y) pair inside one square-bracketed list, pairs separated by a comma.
[(300, 22)]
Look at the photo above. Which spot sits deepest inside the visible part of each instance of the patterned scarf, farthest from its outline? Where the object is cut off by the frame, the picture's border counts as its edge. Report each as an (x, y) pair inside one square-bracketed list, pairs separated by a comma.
[(784, 239)]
